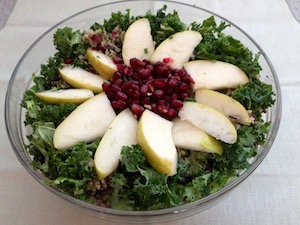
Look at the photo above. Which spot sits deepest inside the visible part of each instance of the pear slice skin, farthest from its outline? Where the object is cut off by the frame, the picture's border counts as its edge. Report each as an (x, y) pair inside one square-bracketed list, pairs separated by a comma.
[(188, 136), (80, 78), (225, 104), (121, 132), (102, 63), (215, 75), (76, 96), (209, 120), (87, 122), (179, 47), (138, 42), (154, 135)]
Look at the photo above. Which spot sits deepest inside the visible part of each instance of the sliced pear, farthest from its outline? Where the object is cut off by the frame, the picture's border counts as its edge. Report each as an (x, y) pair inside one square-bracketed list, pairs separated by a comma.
[(80, 78), (215, 75), (138, 42), (155, 138), (121, 132), (87, 122), (102, 63), (209, 120), (178, 47), (188, 136), (65, 96), (225, 104)]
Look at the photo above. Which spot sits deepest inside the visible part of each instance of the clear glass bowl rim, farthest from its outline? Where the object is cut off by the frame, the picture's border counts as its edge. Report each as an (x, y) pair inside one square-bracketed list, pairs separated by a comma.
[(274, 128)]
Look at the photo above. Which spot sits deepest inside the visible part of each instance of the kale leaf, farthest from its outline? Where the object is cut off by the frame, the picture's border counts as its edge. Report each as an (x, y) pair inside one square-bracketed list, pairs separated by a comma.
[(218, 46), (256, 96), (164, 24)]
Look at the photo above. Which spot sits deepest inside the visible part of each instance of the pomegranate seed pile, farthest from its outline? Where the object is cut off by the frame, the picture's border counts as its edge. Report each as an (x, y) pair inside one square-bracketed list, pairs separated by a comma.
[(142, 85)]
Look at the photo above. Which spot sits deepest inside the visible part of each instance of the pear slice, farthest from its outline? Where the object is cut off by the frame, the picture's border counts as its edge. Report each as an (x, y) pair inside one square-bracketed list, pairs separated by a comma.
[(154, 135), (76, 96), (187, 136), (80, 78), (138, 42), (209, 120), (215, 75), (87, 122), (121, 132), (102, 63), (178, 47), (225, 104)]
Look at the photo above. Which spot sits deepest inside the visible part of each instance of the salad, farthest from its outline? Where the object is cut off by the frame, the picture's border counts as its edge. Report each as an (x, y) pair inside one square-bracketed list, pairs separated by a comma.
[(146, 112)]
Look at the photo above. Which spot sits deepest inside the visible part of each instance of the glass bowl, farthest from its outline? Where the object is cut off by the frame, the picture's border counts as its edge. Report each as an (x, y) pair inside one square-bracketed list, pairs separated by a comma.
[(42, 48)]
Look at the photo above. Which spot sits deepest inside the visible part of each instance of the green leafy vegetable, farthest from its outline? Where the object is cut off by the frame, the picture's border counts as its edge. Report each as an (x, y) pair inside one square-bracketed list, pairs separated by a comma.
[(164, 24), (218, 46), (256, 96)]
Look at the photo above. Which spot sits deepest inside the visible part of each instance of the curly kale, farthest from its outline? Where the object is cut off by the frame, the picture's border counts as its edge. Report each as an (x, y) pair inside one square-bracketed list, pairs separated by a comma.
[(216, 45)]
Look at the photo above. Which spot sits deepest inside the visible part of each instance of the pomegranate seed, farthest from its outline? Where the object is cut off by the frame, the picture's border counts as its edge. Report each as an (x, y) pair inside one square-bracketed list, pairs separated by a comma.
[(158, 94), (121, 67), (100, 48), (163, 109), (184, 87), (176, 104), (117, 75), (145, 101), (115, 88), (172, 113), (68, 60), (96, 38), (173, 82), (117, 60), (121, 96), (144, 73), (168, 60), (119, 104), (160, 83), (144, 90), (106, 87), (137, 110), (146, 61), (136, 63), (135, 95), (128, 71), (118, 82)]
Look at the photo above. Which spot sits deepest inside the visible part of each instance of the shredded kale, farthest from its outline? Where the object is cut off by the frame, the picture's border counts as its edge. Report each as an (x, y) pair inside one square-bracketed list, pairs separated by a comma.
[(164, 24), (218, 46), (256, 96), (68, 170), (38, 110)]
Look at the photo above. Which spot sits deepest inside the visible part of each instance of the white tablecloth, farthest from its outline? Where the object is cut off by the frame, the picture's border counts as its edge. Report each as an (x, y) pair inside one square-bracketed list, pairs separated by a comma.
[(271, 195)]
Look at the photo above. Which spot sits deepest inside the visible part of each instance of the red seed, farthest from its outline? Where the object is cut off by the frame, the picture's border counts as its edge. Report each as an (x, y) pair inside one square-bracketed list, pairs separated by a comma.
[(117, 60), (121, 67), (96, 38), (176, 104), (136, 63), (160, 83), (158, 93), (118, 104), (106, 87), (144, 90), (137, 110), (68, 60), (168, 60), (115, 88), (121, 96), (172, 113)]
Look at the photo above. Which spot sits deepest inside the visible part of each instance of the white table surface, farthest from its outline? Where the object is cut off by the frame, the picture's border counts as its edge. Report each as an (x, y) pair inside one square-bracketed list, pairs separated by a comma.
[(271, 195)]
